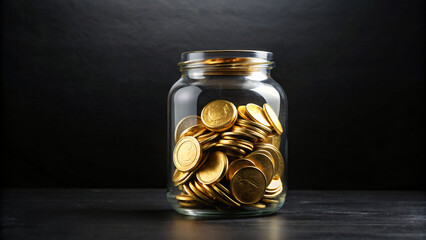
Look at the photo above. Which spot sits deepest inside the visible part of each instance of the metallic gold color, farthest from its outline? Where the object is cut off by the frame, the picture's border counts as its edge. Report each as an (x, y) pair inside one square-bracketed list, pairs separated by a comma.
[(185, 123), (205, 135), (273, 119), (276, 154), (200, 187), (209, 138), (248, 185), (193, 195), (237, 165), (223, 188), (255, 124), (199, 193), (256, 113), (264, 163), (248, 131), (267, 200), (187, 154), (184, 197), (213, 169), (242, 112), (275, 184), (258, 205), (207, 146), (231, 148), (240, 135), (239, 140), (274, 140), (180, 177), (193, 204), (236, 144), (218, 197), (219, 115), (256, 129), (193, 131), (226, 197)]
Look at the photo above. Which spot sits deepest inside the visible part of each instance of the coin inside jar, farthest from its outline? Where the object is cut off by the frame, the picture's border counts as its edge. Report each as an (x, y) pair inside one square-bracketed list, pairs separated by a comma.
[(224, 159), (273, 119), (256, 113), (187, 154), (264, 163), (219, 115), (236, 165), (277, 157), (185, 123), (248, 185), (180, 177), (193, 131), (213, 169), (255, 124), (242, 112)]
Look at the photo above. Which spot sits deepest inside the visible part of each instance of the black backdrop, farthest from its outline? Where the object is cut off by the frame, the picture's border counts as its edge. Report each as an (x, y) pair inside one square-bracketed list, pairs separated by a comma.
[(85, 82)]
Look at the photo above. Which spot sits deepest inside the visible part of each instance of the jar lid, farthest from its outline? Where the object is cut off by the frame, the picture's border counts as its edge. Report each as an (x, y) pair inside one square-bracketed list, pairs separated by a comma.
[(225, 58)]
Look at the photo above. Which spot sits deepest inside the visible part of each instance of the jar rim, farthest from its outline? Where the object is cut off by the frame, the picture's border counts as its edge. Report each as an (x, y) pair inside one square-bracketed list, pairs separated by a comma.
[(225, 58)]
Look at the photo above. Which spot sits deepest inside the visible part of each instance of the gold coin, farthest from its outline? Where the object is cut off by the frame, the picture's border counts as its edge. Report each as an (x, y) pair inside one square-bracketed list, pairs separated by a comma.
[(256, 113), (266, 200), (219, 115), (184, 197), (242, 112), (185, 123), (207, 146), (200, 187), (236, 144), (272, 191), (274, 140), (248, 131), (274, 195), (194, 196), (276, 154), (273, 119), (219, 198), (258, 130), (213, 168), (180, 177), (233, 155), (239, 140), (190, 205), (231, 148), (223, 188), (248, 185), (236, 165), (255, 124), (258, 205), (187, 154), (193, 131), (240, 135), (206, 135), (226, 197), (275, 184), (199, 193), (209, 138), (264, 163)]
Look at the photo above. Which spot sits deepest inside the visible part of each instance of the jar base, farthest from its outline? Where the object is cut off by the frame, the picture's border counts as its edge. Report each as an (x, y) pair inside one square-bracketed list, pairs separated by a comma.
[(214, 213)]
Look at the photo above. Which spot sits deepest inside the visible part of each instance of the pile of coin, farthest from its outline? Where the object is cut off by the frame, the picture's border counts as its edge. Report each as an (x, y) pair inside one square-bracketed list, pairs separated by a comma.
[(229, 157)]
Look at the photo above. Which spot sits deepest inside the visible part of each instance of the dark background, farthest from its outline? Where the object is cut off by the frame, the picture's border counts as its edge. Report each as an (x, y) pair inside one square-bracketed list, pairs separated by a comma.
[(85, 83)]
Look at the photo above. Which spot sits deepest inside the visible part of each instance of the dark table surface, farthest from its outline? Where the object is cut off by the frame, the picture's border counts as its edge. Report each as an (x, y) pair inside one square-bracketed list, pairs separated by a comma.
[(145, 214)]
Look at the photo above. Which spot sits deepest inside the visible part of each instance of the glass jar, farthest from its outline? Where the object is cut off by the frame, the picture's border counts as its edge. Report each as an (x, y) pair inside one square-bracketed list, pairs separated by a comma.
[(227, 135)]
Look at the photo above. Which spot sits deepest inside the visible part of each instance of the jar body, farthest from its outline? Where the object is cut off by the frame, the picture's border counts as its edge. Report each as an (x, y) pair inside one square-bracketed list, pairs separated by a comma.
[(189, 191)]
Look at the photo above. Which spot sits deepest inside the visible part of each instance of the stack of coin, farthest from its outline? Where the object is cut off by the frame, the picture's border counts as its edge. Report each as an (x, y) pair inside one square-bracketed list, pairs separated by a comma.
[(229, 157)]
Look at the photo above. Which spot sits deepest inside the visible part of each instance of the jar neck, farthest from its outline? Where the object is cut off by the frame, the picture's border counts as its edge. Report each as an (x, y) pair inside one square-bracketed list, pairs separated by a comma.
[(259, 73)]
